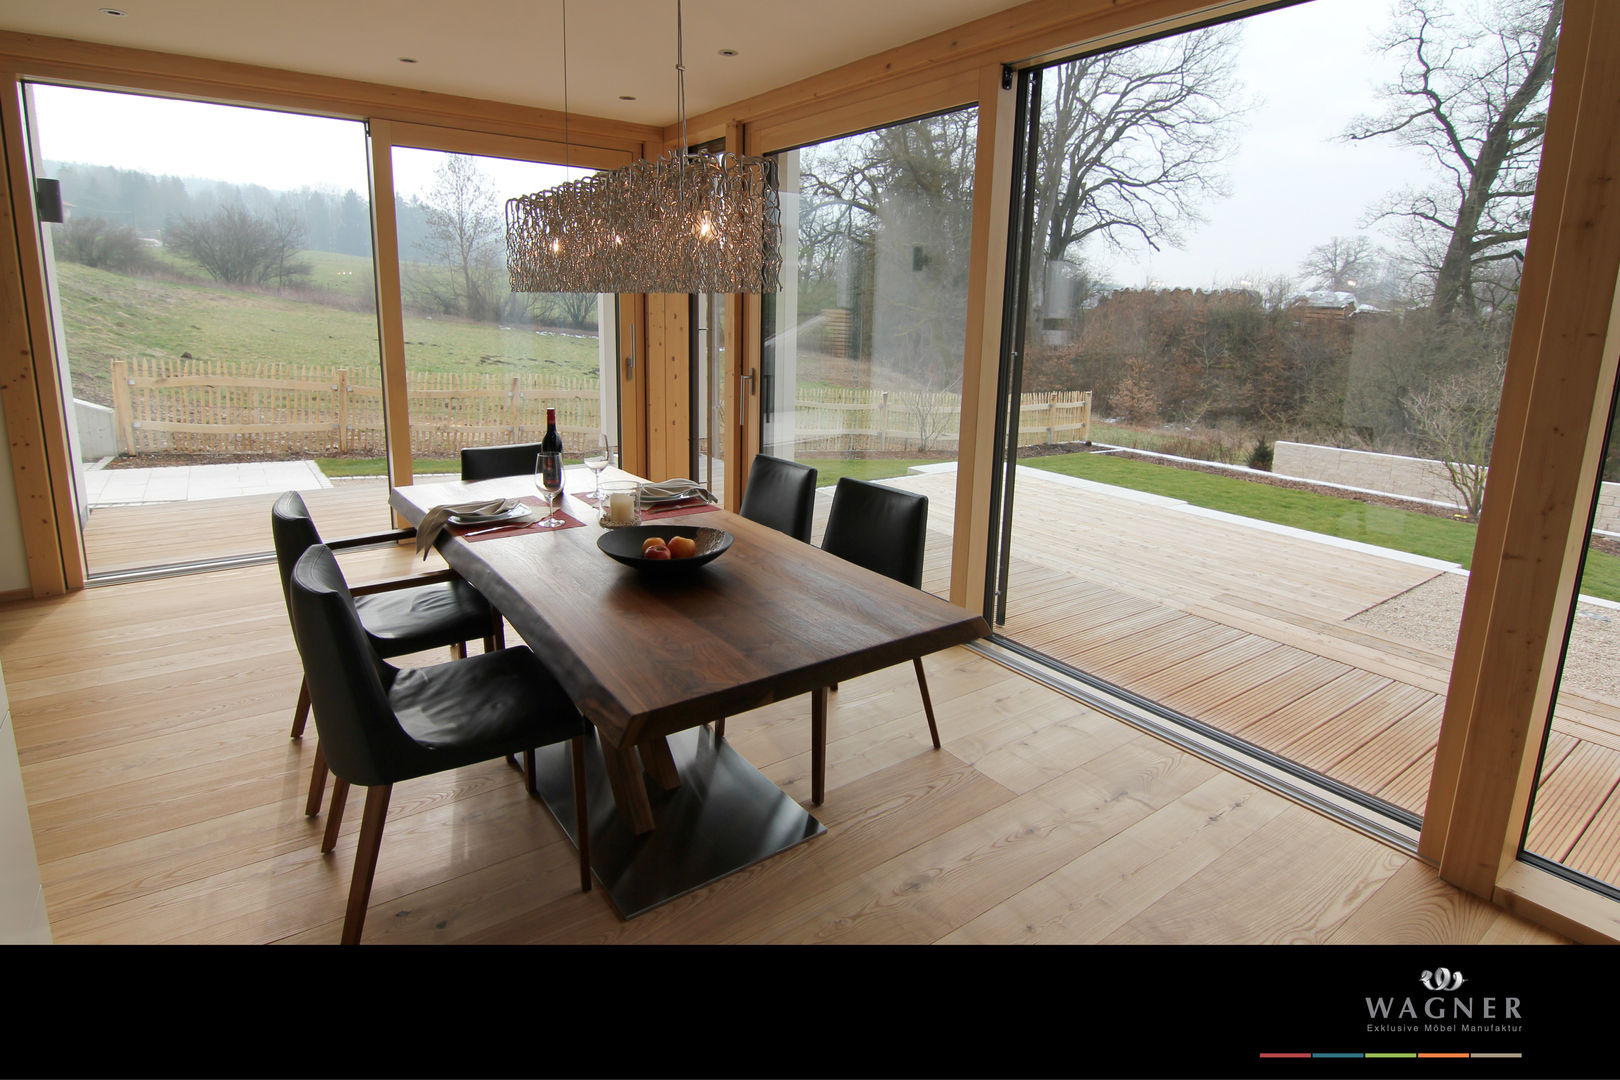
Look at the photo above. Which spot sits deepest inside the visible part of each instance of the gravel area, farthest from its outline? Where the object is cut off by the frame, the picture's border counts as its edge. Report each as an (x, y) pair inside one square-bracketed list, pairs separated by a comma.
[(1430, 614)]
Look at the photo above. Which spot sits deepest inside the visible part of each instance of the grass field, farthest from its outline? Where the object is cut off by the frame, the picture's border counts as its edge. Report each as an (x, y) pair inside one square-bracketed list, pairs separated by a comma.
[(108, 315), (829, 469), (1383, 526)]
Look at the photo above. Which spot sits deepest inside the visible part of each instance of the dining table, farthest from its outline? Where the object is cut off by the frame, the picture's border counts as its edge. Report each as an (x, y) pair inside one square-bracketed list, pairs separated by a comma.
[(647, 655)]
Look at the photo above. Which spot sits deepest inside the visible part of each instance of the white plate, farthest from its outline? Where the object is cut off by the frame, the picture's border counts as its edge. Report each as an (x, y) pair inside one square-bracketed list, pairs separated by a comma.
[(488, 519), (665, 500)]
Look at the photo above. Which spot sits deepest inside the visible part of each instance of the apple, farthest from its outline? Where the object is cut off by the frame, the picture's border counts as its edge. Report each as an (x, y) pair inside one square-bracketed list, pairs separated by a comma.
[(655, 551), (650, 541), (682, 547)]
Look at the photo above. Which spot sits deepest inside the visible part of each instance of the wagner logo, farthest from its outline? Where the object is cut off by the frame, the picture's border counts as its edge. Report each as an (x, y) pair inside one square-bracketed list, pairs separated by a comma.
[(1452, 1013), (1441, 979)]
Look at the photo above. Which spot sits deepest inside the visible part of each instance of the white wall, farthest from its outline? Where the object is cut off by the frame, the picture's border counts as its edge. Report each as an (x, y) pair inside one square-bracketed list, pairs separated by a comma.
[(22, 901)]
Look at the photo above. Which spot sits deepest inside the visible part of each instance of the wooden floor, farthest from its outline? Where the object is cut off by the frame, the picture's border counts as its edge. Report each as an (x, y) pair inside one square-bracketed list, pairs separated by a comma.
[(166, 801), (1254, 639)]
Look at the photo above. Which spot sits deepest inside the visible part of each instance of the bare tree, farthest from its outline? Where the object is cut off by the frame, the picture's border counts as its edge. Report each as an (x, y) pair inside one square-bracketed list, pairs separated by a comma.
[(1132, 140), (843, 184), (239, 247), (1455, 420), (1343, 264), (465, 230), (1473, 94)]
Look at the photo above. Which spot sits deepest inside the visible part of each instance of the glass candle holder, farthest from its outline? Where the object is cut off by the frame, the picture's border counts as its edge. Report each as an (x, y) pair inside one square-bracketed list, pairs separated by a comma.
[(620, 505)]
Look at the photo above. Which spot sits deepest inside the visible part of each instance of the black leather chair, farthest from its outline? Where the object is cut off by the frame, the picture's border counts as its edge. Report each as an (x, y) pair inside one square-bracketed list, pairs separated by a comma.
[(885, 530), (781, 494), (491, 462), (399, 616), (381, 724)]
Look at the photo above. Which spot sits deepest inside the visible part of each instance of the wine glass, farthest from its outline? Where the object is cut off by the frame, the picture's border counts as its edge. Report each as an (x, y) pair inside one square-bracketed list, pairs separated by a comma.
[(596, 461), (548, 477)]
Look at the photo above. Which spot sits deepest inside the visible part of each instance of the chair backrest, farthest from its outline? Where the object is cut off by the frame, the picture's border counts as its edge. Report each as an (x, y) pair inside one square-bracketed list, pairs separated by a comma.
[(490, 462), (881, 528), (360, 734), (294, 533), (781, 494)]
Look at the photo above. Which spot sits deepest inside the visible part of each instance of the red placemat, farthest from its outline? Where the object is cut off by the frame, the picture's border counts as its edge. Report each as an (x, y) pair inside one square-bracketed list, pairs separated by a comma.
[(696, 507), (474, 533)]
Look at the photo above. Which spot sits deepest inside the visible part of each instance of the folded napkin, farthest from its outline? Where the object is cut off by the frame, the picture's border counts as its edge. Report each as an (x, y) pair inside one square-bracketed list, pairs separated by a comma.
[(434, 521), (676, 489)]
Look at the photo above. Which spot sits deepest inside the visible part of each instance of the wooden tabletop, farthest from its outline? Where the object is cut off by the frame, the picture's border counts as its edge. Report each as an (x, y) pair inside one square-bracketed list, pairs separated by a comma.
[(644, 656)]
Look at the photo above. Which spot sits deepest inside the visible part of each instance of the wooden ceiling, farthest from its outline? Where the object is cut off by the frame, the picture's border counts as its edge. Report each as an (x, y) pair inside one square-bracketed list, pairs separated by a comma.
[(512, 50)]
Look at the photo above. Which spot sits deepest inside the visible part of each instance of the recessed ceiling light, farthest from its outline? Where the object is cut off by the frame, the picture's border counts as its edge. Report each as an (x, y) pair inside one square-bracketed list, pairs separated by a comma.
[(407, 59), (114, 12), (728, 52), (627, 97)]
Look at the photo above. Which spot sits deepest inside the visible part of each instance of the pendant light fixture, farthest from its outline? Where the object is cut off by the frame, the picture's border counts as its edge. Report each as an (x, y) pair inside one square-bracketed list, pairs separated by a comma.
[(684, 223)]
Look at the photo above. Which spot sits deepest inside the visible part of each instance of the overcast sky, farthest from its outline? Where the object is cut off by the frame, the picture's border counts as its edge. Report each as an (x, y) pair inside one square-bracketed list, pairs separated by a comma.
[(1310, 69)]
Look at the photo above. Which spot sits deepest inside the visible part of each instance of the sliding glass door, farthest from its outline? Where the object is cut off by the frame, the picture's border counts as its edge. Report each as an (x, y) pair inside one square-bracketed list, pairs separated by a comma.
[(1264, 299), (483, 363), (213, 305), (863, 345)]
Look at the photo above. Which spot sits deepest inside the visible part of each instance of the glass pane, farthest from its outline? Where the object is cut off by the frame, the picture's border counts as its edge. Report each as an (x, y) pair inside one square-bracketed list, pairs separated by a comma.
[(484, 363), (1575, 812), (864, 343), (710, 362), (1263, 352), (213, 303)]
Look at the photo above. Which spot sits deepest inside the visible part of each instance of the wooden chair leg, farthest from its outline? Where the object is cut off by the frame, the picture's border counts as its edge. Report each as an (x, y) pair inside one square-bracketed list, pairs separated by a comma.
[(818, 745), (334, 816), (928, 706), (720, 728), (529, 782), (317, 783), (301, 711), (365, 861), (458, 651), (498, 632), (582, 817)]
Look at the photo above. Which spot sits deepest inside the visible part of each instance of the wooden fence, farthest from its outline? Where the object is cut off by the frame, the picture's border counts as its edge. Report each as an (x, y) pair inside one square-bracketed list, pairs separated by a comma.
[(843, 419), (198, 407), (201, 407)]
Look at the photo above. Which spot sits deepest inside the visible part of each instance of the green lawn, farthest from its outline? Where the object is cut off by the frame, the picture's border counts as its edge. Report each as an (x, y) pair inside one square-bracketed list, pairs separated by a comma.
[(829, 469), (1383, 526), (109, 315)]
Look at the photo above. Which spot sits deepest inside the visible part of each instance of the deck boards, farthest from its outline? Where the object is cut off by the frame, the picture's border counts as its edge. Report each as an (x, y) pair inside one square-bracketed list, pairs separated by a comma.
[(1245, 628)]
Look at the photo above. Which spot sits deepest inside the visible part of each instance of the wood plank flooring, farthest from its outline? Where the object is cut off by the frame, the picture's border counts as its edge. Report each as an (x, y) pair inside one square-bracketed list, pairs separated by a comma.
[(166, 800), (1245, 628)]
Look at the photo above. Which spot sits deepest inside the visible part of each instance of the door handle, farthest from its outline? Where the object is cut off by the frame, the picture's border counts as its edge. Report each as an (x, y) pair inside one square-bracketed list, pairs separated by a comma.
[(630, 361)]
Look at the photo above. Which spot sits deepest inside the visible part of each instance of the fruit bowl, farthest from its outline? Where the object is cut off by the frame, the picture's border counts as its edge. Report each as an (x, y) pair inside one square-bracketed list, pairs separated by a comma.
[(625, 546)]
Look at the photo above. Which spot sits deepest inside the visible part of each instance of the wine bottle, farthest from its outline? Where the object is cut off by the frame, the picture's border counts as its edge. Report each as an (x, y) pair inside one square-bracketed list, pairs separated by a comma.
[(551, 442)]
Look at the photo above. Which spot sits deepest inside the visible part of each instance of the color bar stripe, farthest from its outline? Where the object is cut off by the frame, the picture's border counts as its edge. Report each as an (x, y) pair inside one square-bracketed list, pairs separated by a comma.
[(1404, 1056)]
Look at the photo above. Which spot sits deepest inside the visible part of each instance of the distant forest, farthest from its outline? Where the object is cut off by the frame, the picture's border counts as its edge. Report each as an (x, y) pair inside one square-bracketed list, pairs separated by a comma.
[(332, 222)]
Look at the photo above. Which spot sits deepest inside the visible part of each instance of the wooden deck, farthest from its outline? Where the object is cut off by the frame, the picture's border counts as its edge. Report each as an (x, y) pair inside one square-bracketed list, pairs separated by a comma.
[(1245, 628), (1255, 639)]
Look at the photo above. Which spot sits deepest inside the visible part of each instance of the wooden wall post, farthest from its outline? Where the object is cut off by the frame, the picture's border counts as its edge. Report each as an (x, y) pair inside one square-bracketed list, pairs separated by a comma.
[(981, 361)]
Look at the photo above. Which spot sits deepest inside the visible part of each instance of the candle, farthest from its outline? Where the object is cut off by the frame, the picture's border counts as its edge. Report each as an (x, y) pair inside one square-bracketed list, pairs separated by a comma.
[(621, 506)]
